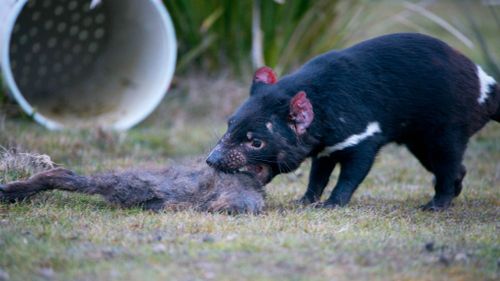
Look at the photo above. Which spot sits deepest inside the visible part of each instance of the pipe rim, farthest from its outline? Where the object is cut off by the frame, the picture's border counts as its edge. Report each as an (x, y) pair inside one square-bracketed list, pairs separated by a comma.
[(50, 124), (9, 76)]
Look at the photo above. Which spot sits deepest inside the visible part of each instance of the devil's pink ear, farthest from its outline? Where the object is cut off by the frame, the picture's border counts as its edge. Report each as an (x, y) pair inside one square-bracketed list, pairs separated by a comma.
[(301, 112), (265, 75)]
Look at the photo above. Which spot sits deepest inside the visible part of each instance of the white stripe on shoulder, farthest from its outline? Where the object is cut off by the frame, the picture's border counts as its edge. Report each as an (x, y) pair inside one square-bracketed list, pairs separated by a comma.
[(371, 129), (485, 82)]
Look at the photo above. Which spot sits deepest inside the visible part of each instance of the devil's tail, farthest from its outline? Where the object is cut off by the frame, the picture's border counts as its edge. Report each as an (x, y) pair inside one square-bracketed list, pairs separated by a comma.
[(496, 94)]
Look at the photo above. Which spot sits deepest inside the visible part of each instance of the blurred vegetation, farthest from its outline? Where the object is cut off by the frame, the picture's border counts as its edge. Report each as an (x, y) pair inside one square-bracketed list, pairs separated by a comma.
[(217, 34), (473, 27)]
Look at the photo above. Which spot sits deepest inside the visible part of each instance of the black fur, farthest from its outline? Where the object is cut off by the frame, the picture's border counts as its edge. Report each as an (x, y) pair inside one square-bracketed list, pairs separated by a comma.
[(495, 93), (421, 92)]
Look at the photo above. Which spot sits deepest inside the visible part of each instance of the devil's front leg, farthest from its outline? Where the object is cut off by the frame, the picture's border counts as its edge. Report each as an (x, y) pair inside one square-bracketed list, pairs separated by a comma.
[(355, 165), (321, 169)]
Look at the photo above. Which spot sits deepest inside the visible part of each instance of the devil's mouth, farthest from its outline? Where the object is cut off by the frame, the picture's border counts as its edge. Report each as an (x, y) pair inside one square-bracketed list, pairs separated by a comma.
[(253, 169), (260, 171)]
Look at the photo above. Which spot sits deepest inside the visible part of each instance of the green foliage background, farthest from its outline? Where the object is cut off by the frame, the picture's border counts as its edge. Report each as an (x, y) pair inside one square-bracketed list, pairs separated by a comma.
[(216, 35)]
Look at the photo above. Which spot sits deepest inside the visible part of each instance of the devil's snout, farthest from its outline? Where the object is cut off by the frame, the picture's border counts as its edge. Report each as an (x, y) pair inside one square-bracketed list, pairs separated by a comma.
[(215, 158), (224, 159)]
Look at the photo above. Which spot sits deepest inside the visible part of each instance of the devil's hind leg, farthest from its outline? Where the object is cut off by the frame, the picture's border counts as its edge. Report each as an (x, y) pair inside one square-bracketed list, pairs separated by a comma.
[(459, 179), (424, 155), (445, 156)]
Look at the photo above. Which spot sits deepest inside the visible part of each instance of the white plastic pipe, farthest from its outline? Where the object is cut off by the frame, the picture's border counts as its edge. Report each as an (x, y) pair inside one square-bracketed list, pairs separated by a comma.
[(68, 65)]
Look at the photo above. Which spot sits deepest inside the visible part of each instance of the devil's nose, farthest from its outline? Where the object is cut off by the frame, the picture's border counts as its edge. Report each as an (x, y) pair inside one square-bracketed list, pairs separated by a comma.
[(214, 158)]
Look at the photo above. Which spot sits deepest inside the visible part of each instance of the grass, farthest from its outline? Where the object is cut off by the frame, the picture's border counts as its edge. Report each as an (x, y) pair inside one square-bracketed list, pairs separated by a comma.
[(381, 235)]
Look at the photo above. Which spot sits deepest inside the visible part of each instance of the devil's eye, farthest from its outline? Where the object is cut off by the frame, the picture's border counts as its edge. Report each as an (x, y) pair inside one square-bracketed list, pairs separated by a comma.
[(256, 143)]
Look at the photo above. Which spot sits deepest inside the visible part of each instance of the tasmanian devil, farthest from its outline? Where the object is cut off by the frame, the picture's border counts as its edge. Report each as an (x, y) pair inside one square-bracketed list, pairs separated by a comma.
[(343, 106), (194, 186)]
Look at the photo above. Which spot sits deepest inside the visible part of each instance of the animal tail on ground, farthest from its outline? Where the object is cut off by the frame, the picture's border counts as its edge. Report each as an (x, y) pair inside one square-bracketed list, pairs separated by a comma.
[(115, 189), (175, 188)]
